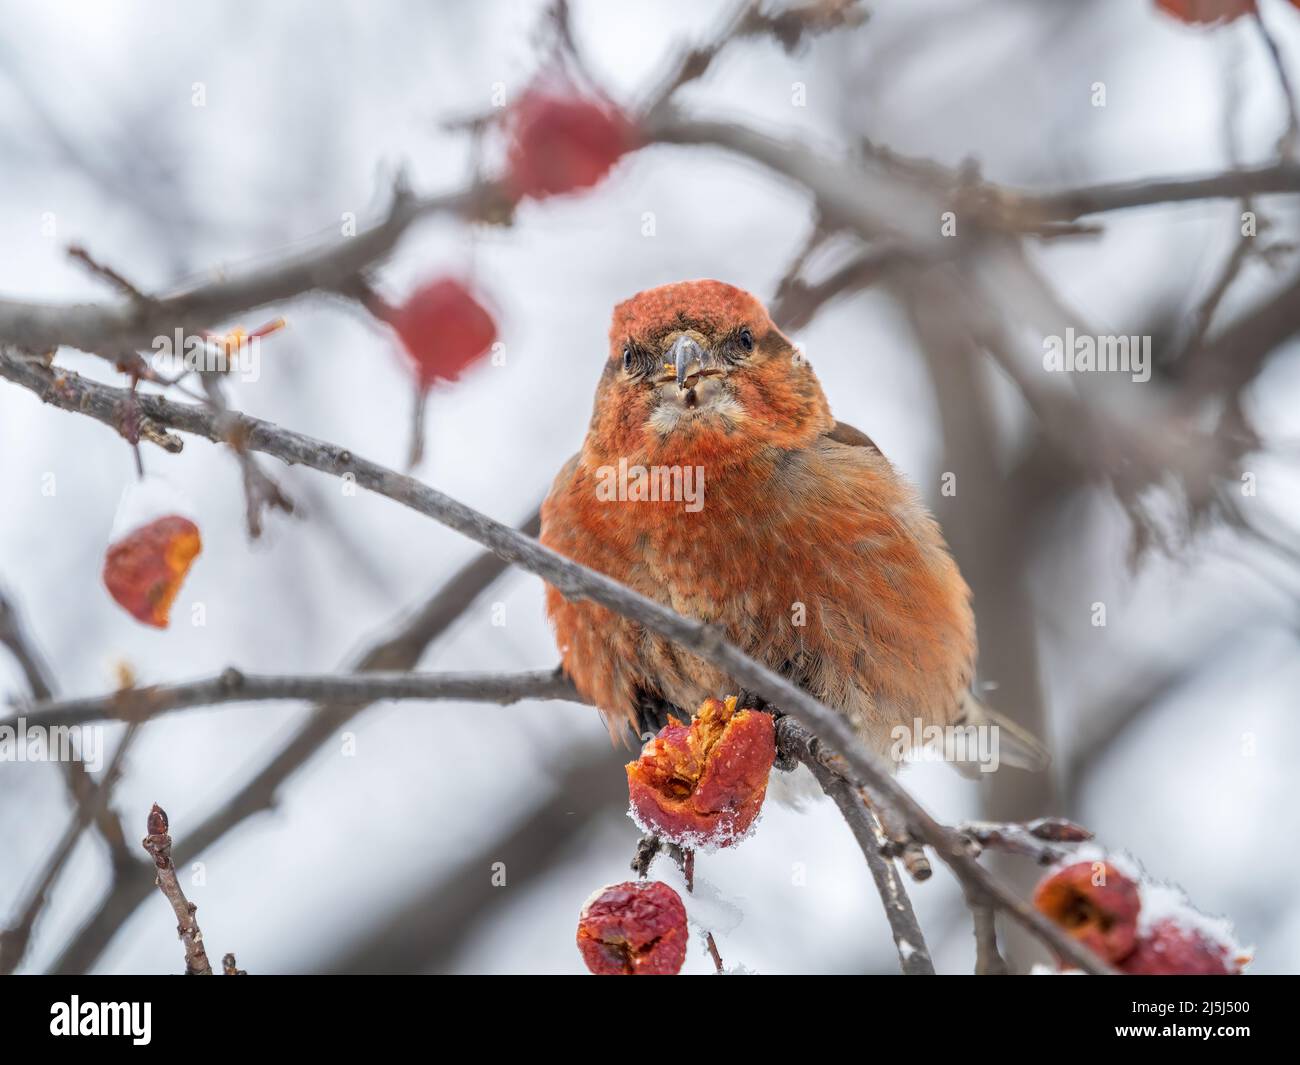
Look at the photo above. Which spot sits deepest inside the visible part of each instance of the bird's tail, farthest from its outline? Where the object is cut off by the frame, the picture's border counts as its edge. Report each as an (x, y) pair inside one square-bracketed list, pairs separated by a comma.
[(1015, 745)]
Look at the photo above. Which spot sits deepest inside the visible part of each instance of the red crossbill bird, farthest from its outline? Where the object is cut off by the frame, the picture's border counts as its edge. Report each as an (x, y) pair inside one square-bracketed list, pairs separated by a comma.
[(715, 480)]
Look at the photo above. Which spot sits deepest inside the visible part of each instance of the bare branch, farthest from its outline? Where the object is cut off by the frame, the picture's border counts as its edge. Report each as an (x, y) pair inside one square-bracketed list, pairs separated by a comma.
[(1036, 839), (1292, 132), (988, 959), (909, 940), (117, 329), (159, 845), (14, 637), (40, 680), (233, 686), (790, 27), (797, 742)]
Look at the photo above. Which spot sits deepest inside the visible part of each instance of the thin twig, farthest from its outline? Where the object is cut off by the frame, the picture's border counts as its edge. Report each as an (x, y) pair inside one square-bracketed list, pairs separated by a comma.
[(159, 845), (233, 686), (913, 953), (40, 681), (261, 492), (1036, 839), (988, 959), (1288, 140), (128, 326), (79, 254), (797, 742)]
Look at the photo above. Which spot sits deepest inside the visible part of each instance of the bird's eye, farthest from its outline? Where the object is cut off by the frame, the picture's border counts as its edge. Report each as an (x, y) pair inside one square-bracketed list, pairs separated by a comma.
[(747, 339), (627, 358)]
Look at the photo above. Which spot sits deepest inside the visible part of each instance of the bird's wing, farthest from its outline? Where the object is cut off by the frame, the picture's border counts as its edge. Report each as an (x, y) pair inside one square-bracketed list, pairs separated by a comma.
[(844, 433)]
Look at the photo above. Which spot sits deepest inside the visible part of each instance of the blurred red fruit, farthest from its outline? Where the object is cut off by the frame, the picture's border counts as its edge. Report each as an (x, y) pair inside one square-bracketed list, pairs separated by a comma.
[(1201, 12), (145, 569), (562, 143), (633, 929), (1102, 916), (1173, 949), (703, 784), (443, 328)]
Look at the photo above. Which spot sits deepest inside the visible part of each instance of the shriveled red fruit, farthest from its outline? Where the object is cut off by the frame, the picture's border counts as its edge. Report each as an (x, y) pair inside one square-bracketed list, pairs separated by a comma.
[(1201, 12), (443, 328), (1102, 916), (1172, 949), (633, 929), (563, 142), (703, 784), (145, 569)]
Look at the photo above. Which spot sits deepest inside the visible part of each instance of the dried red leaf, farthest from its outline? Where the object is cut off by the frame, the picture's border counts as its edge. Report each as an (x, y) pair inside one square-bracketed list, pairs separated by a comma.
[(703, 784), (1173, 949), (633, 929), (562, 143), (1102, 916), (1204, 12), (144, 570), (443, 328)]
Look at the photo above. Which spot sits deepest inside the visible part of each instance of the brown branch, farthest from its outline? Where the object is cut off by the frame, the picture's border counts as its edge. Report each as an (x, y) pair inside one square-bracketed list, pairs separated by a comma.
[(798, 301), (872, 203), (790, 27), (71, 392), (233, 686), (125, 327), (713, 952), (159, 845), (988, 959), (913, 953), (79, 254), (798, 743), (1232, 358), (261, 493), (40, 680), (647, 848), (886, 202), (14, 637), (1067, 205), (1292, 131), (1035, 839)]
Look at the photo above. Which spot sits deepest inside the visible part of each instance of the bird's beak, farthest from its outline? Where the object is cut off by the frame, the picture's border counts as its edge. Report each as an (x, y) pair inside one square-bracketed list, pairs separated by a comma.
[(686, 357)]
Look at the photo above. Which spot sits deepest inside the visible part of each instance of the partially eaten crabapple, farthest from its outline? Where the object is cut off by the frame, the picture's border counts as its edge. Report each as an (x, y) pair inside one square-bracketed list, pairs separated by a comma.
[(1094, 903), (703, 784), (1169, 948)]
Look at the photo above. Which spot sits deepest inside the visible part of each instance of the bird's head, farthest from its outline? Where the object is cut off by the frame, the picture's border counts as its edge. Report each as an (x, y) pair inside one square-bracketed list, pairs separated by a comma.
[(697, 370)]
